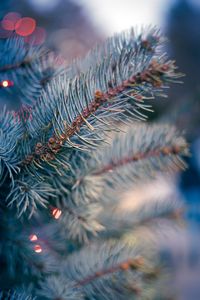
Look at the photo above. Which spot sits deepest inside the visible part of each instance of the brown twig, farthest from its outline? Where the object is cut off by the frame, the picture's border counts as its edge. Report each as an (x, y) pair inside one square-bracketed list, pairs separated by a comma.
[(166, 150), (135, 264), (152, 75)]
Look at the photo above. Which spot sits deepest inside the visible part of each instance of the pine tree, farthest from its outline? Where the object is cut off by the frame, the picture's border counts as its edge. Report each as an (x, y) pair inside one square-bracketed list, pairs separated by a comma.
[(69, 161)]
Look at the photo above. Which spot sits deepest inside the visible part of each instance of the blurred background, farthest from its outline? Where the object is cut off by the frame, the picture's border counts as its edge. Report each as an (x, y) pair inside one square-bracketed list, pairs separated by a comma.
[(73, 27)]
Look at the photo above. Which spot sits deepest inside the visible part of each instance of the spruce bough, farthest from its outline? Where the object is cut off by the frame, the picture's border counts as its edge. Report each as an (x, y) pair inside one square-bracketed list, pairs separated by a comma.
[(66, 169)]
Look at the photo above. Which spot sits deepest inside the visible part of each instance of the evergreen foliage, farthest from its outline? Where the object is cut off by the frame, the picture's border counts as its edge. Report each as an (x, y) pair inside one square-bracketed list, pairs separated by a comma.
[(66, 169)]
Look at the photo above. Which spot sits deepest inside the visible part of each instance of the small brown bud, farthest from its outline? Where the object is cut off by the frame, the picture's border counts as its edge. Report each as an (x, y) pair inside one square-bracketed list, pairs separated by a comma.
[(165, 150), (98, 274), (52, 140), (157, 83), (38, 145), (136, 157), (125, 266), (98, 94)]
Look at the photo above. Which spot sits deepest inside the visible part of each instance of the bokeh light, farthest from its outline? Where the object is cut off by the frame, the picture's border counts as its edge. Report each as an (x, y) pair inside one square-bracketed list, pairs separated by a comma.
[(6, 83), (33, 237), (25, 26), (8, 25), (9, 21), (37, 248), (56, 213)]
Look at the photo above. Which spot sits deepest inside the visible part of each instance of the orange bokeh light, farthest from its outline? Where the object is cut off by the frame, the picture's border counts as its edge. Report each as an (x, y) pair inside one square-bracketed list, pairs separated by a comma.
[(25, 26), (8, 24), (33, 237), (37, 248), (12, 16), (6, 83), (9, 20), (56, 213)]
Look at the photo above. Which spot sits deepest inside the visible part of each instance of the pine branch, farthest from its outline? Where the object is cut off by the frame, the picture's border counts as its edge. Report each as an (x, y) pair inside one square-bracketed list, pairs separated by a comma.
[(147, 40), (28, 67), (66, 155), (102, 179), (81, 222), (27, 194), (136, 263), (57, 287), (139, 154), (105, 94), (10, 132), (114, 269), (151, 75), (17, 255), (15, 295), (138, 208)]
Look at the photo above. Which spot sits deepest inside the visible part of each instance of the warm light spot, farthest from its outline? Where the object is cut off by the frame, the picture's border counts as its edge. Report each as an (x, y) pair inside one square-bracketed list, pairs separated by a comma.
[(37, 37), (8, 25), (10, 20), (12, 16), (56, 213), (125, 266), (33, 237), (6, 83), (37, 248), (25, 26)]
